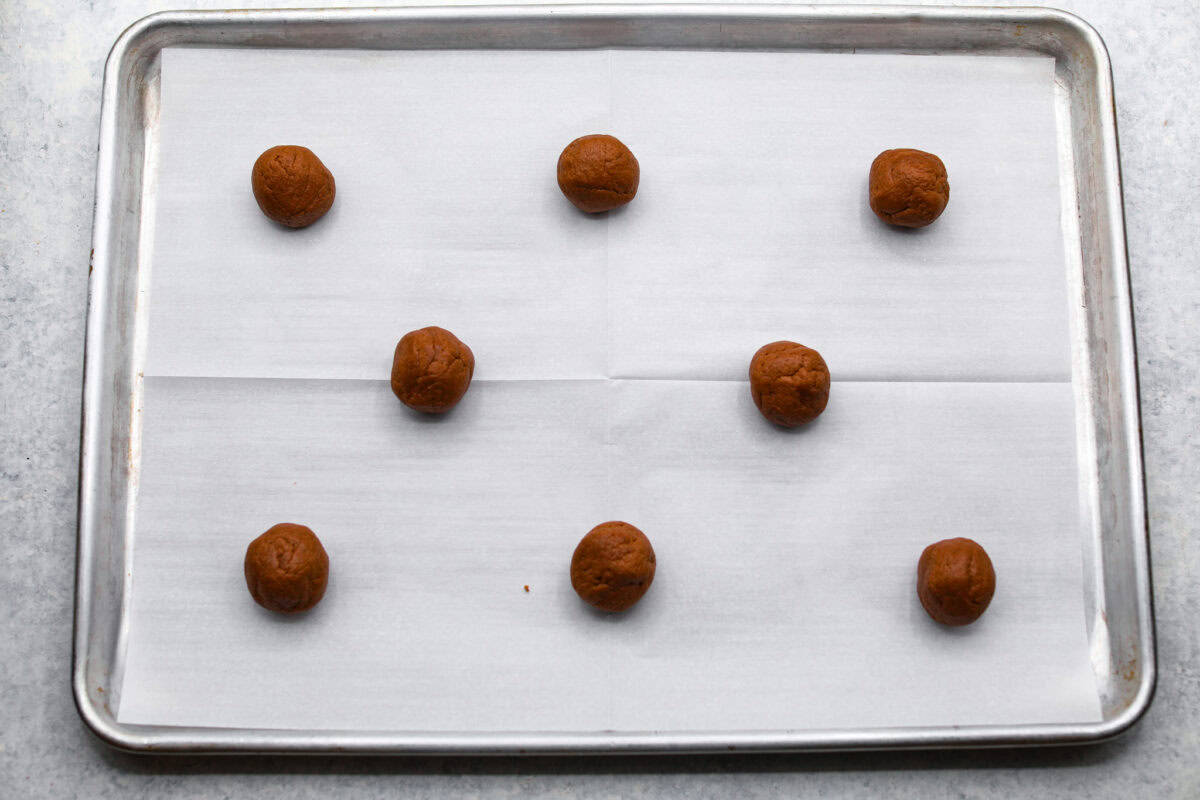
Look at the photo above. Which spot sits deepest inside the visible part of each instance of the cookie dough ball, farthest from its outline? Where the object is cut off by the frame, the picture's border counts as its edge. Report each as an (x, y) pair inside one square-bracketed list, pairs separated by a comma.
[(287, 569), (789, 383), (598, 173), (431, 370), (613, 566), (908, 188), (292, 186), (955, 581)]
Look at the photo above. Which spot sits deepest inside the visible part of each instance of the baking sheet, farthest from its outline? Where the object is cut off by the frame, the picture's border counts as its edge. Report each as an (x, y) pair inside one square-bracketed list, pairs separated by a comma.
[(611, 352)]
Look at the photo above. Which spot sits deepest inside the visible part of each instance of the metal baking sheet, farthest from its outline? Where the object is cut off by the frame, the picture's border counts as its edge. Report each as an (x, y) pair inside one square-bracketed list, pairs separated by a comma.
[(1117, 597)]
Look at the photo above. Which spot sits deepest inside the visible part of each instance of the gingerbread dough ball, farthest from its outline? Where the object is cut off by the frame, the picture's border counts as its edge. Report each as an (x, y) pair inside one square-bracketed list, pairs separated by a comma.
[(955, 581), (431, 370), (908, 188), (598, 173), (287, 569), (613, 566), (789, 383), (292, 186)]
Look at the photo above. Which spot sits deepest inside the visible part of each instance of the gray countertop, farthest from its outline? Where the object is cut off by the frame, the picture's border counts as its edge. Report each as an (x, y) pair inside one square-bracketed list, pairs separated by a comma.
[(51, 61)]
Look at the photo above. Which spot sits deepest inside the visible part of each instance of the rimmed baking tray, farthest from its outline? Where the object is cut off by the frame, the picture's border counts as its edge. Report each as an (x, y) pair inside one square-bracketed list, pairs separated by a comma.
[(1117, 574)]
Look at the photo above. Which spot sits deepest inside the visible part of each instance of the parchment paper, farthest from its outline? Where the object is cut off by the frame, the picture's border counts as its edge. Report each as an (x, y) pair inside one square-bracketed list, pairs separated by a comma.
[(751, 223), (610, 385)]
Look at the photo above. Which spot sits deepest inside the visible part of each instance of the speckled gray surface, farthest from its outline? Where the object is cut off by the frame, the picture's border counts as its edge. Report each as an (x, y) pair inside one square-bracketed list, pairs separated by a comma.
[(51, 58)]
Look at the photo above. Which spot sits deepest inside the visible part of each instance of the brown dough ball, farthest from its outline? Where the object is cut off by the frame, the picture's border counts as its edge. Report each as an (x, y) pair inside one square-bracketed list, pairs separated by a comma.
[(789, 383), (908, 188), (613, 566), (292, 186), (598, 173), (287, 569), (431, 370), (955, 581)]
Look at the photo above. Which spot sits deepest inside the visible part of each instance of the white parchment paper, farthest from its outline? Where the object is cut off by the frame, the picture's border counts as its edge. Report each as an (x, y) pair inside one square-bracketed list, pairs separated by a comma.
[(751, 222), (610, 385)]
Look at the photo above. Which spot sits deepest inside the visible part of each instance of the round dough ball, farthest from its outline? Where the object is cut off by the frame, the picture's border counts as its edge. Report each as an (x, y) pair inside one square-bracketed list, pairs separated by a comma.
[(431, 370), (287, 569), (789, 383), (955, 581), (598, 173), (908, 188), (613, 566), (292, 186)]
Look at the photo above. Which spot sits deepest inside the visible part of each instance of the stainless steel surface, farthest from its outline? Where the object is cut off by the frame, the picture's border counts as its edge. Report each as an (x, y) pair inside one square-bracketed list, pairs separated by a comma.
[(1120, 617)]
